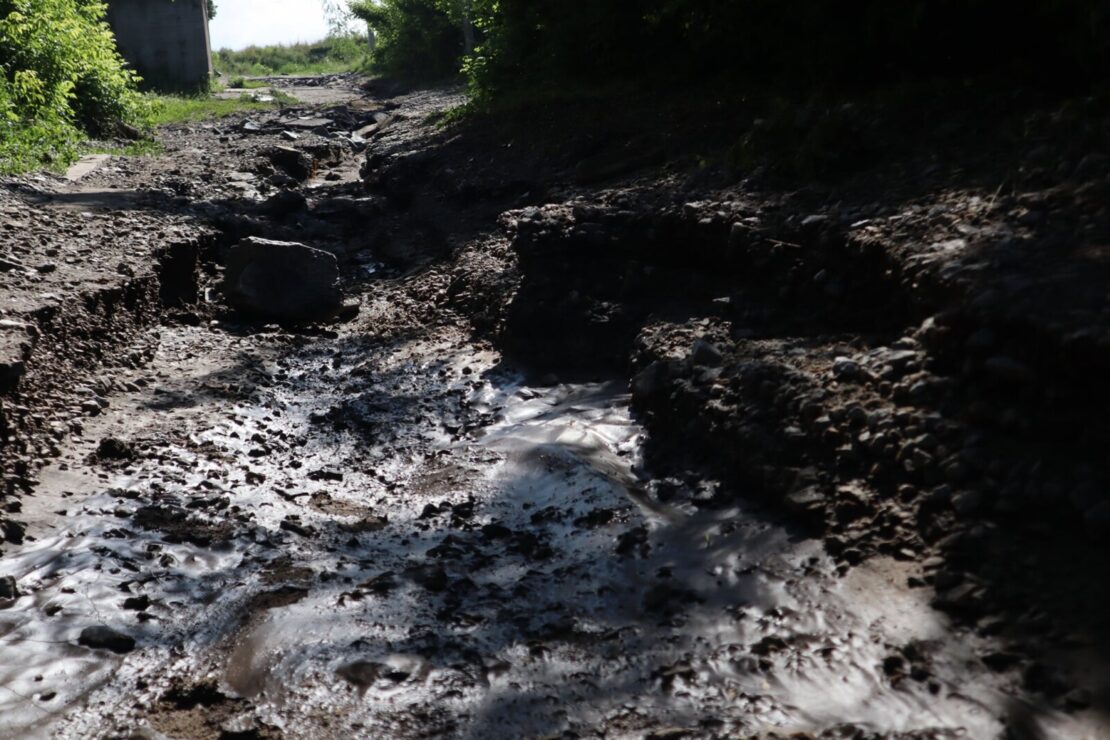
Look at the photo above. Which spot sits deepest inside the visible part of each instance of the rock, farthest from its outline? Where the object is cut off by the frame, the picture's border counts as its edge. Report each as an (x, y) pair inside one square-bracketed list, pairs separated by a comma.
[(1045, 679), (111, 448), (349, 310), (8, 589), (431, 577), (1097, 520), (650, 381), (1001, 661), (137, 603), (362, 673), (965, 599), (706, 353), (286, 202), (293, 162), (106, 638), (286, 281), (1009, 370), (1078, 699), (967, 502), (844, 368)]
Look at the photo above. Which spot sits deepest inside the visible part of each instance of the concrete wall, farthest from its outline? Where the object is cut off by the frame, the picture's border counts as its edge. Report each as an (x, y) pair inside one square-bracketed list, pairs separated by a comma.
[(166, 42)]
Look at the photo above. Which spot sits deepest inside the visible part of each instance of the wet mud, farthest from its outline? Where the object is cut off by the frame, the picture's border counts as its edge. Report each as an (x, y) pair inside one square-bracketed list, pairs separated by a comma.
[(407, 540)]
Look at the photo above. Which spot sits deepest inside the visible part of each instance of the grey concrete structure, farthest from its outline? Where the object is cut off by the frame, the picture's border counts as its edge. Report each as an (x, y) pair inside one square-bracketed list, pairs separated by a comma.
[(166, 41)]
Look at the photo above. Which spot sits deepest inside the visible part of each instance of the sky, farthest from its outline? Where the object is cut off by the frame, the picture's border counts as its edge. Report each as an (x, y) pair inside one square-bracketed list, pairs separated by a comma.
[(241, 23)]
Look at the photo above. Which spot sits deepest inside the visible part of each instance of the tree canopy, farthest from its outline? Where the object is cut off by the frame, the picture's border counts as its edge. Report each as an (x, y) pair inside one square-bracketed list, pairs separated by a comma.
[(843, 41)]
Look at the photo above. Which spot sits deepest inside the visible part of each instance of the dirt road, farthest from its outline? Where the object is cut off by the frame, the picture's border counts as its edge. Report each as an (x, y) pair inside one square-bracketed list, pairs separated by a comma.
[(382, 527)]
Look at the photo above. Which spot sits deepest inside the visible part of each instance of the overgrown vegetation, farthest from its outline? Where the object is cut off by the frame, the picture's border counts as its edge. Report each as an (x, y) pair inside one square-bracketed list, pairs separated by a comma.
[(812, 42), (416, 39), (60, 78), (334, 54)]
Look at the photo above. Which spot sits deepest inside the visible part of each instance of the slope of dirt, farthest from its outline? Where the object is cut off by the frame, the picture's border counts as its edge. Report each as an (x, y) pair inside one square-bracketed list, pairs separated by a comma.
[(610, 440)]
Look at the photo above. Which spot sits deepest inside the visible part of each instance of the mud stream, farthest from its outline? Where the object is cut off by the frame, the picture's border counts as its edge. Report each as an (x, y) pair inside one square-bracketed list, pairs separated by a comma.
[(329, 536)]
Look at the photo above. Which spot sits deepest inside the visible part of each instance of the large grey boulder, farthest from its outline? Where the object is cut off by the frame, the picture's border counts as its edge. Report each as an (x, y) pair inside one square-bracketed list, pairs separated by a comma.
[(283, 281)]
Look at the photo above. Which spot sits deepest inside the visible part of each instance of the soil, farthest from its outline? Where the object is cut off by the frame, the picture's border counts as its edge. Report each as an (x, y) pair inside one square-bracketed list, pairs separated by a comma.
[(622, 431)]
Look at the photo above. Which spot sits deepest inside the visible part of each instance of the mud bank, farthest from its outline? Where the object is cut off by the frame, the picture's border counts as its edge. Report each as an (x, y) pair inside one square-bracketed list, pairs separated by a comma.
[(81, 293)]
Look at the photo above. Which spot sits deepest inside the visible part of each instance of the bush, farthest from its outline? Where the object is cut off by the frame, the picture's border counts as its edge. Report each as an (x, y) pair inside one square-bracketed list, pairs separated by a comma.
[(416, 39), (60, 77), (335, 54), (804, 43)]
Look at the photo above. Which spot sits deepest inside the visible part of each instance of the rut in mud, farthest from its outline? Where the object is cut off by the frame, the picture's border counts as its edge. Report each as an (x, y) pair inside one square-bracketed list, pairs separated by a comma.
[(594, 471)]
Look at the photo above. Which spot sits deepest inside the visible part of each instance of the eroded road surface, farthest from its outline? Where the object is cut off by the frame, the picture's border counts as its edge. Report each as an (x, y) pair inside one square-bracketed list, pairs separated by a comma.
[(382, 528), (310, 535)]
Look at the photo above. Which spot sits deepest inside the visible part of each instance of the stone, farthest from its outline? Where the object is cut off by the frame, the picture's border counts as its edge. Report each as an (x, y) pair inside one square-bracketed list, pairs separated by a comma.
[(1009, 370), (706, 353), (1000, 661), (967, 502), (106, 638), (844, 368), (1097, 520), (111, 448), (431, 577), (286, 202), (362, 673), (137, 603), (293, 162), (284, 281), (8, 589), (650, 381)]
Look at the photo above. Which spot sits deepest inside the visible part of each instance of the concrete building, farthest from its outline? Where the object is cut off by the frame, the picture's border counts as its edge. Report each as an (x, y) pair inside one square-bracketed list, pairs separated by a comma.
[(166, 41)]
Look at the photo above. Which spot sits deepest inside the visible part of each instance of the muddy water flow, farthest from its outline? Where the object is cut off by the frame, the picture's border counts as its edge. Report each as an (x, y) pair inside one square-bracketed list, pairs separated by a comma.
[(327, 536)]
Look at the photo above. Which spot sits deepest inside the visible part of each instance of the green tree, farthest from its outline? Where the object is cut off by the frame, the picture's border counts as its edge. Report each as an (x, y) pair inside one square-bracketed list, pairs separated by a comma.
[(416, 39)]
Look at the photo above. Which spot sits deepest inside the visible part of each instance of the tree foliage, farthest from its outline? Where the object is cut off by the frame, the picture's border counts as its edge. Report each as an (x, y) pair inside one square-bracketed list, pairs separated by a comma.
[(60, 75), (847, 42), (416, 39)]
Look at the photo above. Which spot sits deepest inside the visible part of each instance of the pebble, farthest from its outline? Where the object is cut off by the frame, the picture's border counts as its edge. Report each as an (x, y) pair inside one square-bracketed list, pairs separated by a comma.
[(8, 588), (706, 353), (844, 368), (1009, 370), (1097, 521), (106, 638)]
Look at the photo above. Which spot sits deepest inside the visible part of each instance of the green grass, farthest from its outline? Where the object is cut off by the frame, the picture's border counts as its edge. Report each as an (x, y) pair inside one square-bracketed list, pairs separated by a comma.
[(173, 109), (167, 109), (338, 54)]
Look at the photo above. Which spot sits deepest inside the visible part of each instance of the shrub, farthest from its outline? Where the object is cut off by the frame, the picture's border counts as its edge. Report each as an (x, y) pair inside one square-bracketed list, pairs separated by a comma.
[(60, 77), (416, 39), (334, 54), (803, 43)]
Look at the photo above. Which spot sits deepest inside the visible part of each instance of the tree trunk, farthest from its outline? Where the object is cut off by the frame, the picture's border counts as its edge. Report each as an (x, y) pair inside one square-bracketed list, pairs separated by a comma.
[(468, 28)]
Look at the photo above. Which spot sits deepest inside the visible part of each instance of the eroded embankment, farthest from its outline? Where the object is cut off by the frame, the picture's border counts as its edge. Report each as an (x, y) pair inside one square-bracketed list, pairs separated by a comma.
[(928, 410), (63, 349)]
